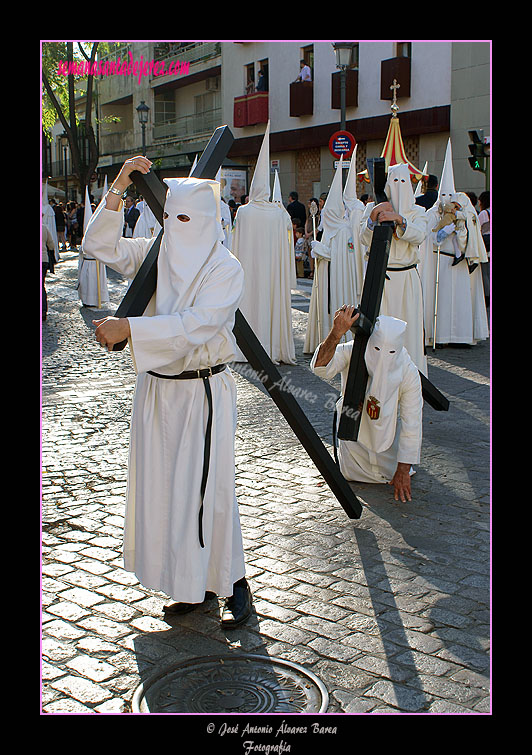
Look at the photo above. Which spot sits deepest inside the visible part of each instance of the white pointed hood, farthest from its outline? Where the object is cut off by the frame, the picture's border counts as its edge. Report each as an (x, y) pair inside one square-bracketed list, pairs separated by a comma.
[(333, 212), (446, 188), (186, 245), (351, 200), (87, 214), (193, 165), (398, 189), (386, 359), (259, 191), (277, 197)]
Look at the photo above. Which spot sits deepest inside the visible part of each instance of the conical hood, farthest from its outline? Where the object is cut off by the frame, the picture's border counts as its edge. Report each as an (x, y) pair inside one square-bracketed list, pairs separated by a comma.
[(332, 215), (88, 209), (193, 166), (276, 193), (260, 185), (447, 189), (350, 188)]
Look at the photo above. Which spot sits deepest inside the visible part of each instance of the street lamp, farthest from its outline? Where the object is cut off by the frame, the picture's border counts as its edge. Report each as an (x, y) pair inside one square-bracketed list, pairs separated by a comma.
[(63, 142), (142, 112), (343, 52)]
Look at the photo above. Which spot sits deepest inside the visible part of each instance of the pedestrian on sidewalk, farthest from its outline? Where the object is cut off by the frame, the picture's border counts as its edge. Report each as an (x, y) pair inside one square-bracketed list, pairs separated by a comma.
[(182, 530), (47, 257), (389, 438)]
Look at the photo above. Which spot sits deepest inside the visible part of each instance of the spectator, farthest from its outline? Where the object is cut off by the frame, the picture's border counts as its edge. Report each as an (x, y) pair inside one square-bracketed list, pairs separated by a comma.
[(262, 83), (305, 74), (131, 215), (60, 223), (429, 197), (47, 257), (296, 209)]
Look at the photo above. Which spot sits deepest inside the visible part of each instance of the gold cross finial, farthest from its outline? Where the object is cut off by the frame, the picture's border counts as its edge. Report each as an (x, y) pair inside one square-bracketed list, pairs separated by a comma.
[(395, 86)]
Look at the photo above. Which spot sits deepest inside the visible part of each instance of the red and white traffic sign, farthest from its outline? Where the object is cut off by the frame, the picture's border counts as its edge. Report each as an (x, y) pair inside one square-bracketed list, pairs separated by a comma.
[(342, 143)]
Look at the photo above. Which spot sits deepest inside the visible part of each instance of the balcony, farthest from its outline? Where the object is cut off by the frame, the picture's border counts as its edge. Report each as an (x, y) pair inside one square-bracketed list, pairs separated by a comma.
[(188, 126), (399, 69), (250, 109), (351, 89), (301, 98), (186, 55)]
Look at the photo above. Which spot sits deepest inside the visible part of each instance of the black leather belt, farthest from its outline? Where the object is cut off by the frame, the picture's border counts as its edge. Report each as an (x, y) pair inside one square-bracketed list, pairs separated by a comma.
[(207, 372), (400, 269), (205, 375)]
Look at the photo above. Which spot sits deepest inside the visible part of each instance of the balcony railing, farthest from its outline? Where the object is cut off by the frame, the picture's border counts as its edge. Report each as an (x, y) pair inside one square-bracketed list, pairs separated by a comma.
[(193, 53), (250, 109), (188, 126), (56, 169)]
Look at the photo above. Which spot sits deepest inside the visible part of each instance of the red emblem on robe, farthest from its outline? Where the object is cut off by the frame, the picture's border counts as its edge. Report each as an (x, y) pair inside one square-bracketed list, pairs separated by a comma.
[(372, 407)]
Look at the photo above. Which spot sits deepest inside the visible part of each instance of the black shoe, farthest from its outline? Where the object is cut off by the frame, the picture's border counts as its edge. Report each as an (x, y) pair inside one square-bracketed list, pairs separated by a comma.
[(458, 259), (178, 609), (237, 608)]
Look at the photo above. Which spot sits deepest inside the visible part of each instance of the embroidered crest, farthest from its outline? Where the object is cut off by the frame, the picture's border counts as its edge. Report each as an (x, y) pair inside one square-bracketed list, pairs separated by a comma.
[(372, 407), (350, 245)]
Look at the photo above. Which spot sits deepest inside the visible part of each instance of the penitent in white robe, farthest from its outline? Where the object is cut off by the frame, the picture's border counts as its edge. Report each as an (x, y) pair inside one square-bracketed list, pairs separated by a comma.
[(263, 243), (402, 296), (179, 332), (335, 269), (357, 461), (461, 309)]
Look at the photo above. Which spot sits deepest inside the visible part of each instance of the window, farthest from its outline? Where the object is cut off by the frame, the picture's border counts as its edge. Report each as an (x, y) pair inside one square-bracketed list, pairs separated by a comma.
[(404, 49), (249, 78), (163, 107)]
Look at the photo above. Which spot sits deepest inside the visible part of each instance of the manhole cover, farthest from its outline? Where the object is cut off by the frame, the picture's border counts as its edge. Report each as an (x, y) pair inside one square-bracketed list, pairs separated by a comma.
[(232, 684)]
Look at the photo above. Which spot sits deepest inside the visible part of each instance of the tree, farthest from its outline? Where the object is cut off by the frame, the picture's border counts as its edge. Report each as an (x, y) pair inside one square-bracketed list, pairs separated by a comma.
[(59, 102)]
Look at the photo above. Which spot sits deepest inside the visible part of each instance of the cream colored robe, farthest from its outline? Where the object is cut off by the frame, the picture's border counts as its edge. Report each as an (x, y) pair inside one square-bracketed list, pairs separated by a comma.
[(359, 463), (161, 543), (402, 296)]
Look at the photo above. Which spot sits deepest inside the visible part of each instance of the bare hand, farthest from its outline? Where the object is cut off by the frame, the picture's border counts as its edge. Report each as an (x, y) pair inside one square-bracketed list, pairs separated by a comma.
[(111, 330), (140, 163), (384, 212), (401, 483), (344, 319)]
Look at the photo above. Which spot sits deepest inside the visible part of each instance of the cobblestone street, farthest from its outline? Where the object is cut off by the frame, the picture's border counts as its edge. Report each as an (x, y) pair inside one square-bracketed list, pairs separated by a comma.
[(390, 611)]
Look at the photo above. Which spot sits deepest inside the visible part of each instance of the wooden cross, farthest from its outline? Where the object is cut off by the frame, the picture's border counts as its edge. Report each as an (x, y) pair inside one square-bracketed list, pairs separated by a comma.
[(134, 305), (370, 304)]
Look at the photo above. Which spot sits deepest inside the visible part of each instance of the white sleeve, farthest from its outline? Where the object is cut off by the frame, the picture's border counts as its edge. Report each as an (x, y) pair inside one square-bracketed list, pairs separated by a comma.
[(103, 240), (339, 362), (159, 340), (411, 414)]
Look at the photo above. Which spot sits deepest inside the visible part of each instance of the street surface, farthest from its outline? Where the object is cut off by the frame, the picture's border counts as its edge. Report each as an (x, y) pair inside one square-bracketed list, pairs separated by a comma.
[(390, 611)]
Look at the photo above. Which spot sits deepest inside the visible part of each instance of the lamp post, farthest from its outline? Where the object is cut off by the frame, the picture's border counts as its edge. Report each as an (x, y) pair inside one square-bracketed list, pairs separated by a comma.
[(63, 142), (142, 112), (343, 52)]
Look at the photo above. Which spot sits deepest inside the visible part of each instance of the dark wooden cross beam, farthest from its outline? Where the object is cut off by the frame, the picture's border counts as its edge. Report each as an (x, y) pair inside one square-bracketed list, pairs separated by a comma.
[(370, 304), (134, 305)]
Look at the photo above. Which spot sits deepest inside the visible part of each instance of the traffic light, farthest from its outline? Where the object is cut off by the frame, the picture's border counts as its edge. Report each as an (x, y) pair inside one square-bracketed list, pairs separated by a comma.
[(478, 151)]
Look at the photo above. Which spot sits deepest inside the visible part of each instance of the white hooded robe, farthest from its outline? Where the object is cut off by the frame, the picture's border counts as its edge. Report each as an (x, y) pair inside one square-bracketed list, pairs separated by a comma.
[(335, 271), (92, 275), (188, 325), (262, 242), (402, 296), (461, 310), (394, 386)]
